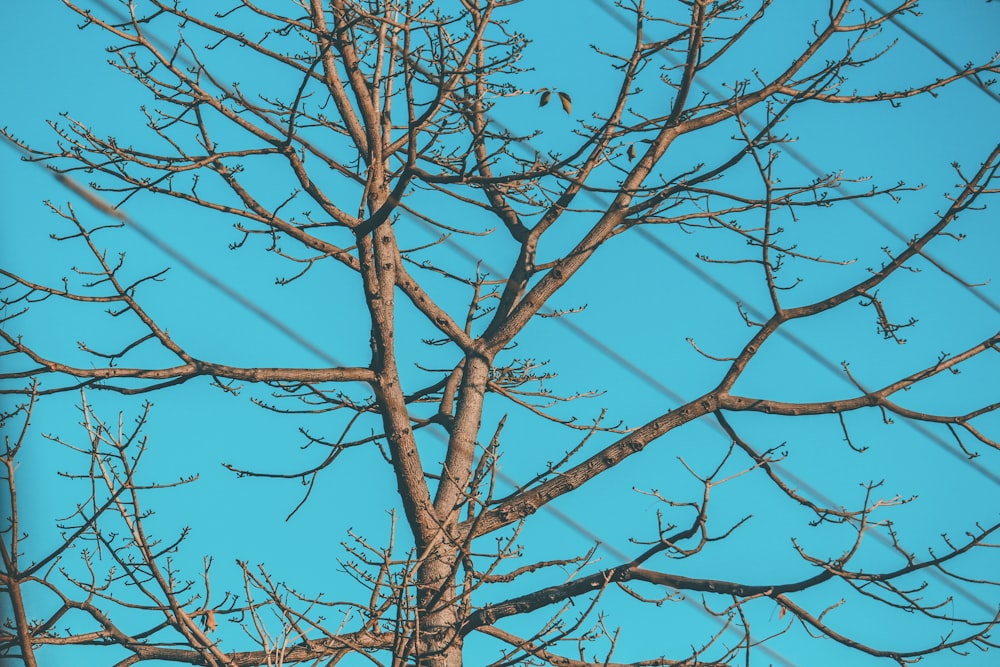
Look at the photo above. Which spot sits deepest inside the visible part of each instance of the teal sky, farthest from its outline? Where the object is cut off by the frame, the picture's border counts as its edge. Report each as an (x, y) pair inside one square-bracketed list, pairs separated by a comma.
[(640, 303)]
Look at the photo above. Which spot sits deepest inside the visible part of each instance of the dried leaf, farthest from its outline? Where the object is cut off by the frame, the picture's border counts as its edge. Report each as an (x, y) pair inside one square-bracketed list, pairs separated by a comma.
[(781, 613), (210, 622), (544, 99), (631, 152), (567, 103)]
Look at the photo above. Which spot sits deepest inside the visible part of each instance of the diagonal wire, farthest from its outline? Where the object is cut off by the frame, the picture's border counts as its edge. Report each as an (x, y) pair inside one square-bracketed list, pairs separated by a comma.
[(725, 291), (107, 209), (814, 354), (681, 400)]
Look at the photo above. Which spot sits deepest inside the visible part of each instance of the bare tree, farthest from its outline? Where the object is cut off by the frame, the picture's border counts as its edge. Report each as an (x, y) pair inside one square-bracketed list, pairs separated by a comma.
[(336, 133)]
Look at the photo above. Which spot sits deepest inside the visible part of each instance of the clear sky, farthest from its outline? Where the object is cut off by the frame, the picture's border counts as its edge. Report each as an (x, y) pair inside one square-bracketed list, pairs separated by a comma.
[(53, 68)]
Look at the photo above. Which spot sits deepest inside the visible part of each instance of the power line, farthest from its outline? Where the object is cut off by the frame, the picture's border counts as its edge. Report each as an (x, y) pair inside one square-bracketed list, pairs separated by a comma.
[(812, 352), (717, 286), (109, 210)]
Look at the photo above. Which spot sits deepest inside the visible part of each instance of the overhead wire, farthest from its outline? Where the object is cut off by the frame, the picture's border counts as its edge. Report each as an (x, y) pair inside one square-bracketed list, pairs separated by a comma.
[(107, 209)]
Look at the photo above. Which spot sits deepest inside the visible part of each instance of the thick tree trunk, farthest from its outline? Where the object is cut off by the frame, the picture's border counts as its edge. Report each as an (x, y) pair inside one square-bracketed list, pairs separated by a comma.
[(439, 643), (440, 609)]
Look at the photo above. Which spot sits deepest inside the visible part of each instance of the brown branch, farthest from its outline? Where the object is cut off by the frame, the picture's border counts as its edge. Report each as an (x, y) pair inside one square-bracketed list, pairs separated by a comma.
[(531, 500)]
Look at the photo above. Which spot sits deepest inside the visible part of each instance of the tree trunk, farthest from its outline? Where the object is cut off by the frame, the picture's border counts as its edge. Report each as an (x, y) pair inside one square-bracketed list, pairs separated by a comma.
[(438, 643)]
